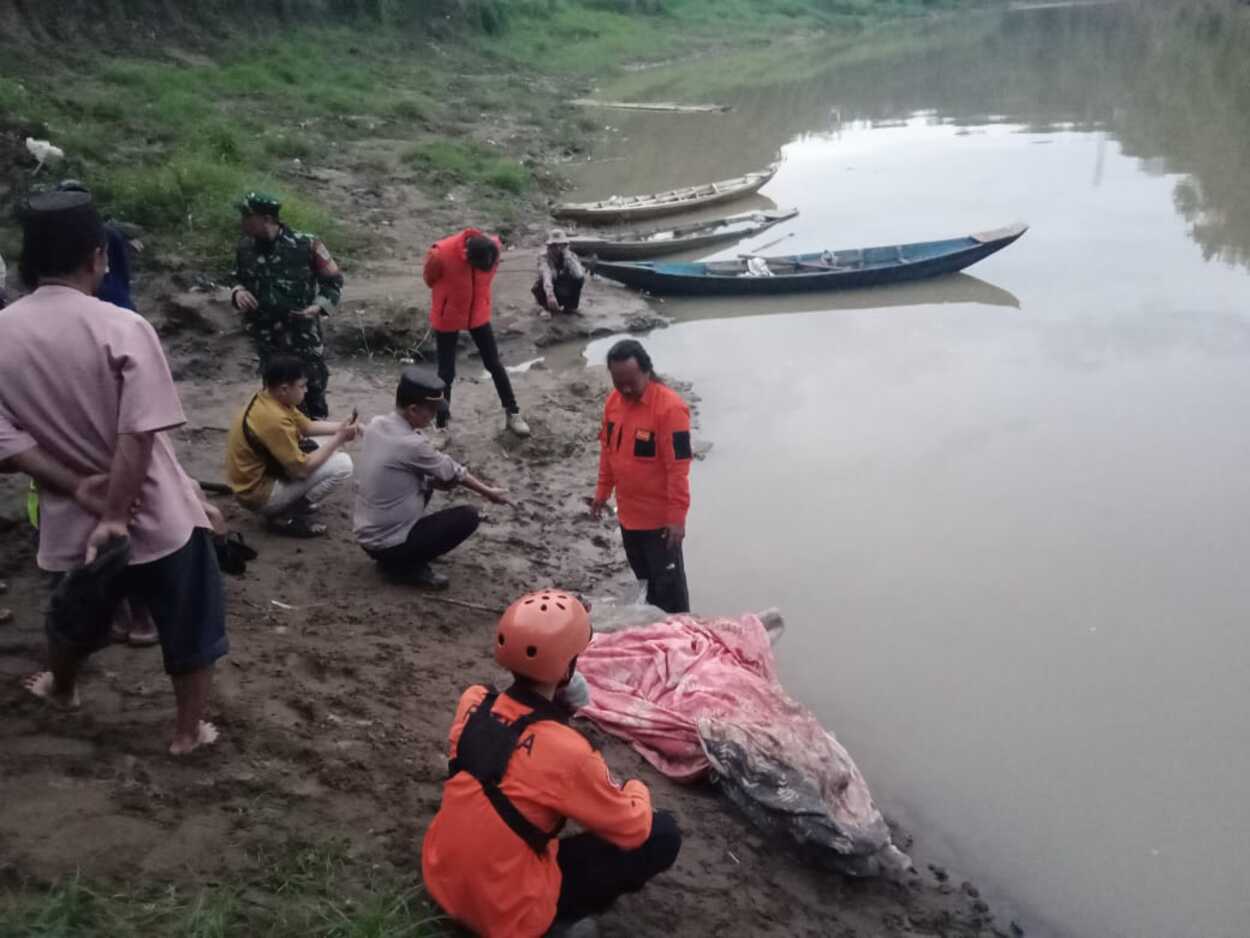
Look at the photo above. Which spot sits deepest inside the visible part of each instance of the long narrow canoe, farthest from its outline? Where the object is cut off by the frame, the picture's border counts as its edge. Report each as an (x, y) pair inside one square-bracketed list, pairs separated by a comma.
[(666, 107), (656, 242), (827, 270), (622, 208)]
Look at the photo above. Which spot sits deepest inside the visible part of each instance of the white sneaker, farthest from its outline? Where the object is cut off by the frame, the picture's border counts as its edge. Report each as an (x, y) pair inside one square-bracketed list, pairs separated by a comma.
[(517, 424)]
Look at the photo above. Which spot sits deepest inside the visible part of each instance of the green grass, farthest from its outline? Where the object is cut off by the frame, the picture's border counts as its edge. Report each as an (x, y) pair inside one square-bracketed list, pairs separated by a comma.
[(171, 145), (467, 162), (291, 145), (305, 891), (412, 109)]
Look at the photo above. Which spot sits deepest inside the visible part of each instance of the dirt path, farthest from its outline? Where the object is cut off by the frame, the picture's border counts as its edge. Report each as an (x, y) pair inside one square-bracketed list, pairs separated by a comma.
[(336, 697)]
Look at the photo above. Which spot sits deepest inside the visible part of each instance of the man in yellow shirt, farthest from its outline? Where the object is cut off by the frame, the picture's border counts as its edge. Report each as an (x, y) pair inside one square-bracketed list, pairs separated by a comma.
[(268, 469)]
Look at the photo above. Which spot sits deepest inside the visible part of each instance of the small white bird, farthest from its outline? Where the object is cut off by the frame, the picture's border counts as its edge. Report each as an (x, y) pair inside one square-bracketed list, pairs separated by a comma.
[(44, 152)]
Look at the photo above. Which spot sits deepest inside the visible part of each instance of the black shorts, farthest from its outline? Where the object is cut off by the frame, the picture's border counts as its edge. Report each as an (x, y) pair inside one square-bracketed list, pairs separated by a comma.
[(183, 592)]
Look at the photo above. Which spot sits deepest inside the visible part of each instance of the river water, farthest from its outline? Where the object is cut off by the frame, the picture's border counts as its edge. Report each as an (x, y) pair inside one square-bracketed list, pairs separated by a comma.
[(1005, 513)]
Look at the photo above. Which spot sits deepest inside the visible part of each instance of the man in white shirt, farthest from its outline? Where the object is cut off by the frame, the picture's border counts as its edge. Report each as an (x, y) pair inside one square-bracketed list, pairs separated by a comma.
[(397, 471)]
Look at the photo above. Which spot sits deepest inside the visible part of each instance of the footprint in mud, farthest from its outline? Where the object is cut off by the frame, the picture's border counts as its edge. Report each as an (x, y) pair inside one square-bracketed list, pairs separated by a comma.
[(276, 711), (310, 667)]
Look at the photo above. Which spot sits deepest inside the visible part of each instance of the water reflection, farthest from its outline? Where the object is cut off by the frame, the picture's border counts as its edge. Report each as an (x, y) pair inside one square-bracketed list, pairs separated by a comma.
[(956, 288), (1171, 86), (1009, 533)]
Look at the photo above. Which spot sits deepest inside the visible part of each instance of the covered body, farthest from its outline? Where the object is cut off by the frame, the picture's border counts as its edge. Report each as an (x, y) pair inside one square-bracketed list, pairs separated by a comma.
[(698, 696)]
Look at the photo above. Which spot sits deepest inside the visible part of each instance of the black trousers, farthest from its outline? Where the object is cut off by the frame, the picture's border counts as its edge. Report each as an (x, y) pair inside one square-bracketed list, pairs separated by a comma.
[(663, 569), (484, 339), (434, 535), (596, 873), (567, 288)]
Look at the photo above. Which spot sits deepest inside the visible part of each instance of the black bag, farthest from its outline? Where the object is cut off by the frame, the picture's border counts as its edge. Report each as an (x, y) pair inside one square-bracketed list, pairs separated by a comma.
[(233, 553)]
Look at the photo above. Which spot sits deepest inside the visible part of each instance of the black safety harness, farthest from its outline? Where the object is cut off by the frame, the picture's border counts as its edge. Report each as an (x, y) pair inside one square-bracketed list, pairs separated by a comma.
[(487, 745)]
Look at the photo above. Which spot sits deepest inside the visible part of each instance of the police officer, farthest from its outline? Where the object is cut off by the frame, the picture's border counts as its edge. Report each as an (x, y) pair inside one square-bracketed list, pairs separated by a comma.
[(287, 281)]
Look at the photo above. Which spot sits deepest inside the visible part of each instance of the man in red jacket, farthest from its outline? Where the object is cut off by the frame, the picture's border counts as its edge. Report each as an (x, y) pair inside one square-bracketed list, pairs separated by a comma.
[(645, 454), (459, 270)]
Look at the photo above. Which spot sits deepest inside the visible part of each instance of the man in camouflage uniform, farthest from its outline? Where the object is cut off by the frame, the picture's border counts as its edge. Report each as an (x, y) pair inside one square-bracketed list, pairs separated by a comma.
[(287, 281)]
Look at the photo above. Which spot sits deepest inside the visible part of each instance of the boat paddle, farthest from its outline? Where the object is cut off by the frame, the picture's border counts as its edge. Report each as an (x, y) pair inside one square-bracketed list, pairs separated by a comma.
[(765, 247)]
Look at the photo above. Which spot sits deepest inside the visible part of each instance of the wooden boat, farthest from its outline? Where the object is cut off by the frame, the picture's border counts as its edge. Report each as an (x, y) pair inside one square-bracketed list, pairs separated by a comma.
[(655, 242), (666, 107), (629, 207), (827, 270)]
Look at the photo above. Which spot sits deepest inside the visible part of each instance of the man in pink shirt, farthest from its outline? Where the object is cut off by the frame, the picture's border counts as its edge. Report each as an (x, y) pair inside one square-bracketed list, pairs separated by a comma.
[(84, 402)]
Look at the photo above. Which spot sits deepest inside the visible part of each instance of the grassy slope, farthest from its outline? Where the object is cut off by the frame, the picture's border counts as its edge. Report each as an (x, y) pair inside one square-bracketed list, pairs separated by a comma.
[(169, 141), (171, 146)]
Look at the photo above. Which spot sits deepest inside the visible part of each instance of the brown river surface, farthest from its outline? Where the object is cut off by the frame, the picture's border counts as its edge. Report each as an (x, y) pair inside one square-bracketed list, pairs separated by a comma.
[(1007, 514)]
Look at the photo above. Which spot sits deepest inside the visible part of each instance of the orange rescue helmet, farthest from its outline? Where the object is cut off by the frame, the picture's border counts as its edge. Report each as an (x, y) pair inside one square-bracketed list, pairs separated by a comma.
[(541, 633)]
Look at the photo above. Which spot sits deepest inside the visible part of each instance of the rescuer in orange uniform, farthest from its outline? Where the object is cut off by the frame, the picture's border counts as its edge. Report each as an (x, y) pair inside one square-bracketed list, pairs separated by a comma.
[(491, 857), (644, 454), (460, 270)]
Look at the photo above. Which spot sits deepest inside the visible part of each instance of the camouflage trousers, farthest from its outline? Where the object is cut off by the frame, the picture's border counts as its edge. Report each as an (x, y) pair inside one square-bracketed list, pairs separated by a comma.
[(300, 337)]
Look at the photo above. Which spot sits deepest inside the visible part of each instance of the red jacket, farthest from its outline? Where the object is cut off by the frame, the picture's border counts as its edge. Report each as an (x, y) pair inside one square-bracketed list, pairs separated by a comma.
[(461, 294), (644, 454)]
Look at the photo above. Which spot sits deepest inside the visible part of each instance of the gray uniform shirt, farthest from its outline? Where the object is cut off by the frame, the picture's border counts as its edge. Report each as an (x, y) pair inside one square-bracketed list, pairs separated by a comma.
[(395, 475)]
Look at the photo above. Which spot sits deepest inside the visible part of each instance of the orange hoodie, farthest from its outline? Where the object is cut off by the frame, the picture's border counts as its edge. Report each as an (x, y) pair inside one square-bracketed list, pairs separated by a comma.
[(644, 454), (477, 869), (460, 293)]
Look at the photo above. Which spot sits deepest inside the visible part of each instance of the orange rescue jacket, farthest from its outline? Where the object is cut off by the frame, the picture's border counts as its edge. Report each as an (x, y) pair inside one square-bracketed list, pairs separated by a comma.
[(477, 868), (461, 293), (644, 454)]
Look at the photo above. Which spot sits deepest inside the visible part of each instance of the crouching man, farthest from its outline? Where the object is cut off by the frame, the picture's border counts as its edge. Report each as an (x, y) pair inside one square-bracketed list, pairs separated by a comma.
[(491, 857), (272, 463), (398, 471)]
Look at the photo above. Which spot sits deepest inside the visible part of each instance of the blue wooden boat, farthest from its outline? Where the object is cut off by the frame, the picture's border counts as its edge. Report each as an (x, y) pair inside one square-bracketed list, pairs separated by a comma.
[(826, 270)]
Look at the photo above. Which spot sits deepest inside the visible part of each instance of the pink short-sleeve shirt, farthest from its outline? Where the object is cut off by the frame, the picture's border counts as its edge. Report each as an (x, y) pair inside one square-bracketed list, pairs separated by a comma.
[(74, 373)]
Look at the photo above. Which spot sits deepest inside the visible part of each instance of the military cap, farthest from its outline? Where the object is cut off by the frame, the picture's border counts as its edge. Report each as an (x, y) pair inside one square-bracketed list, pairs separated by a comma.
[(260, 203), (419, 383)]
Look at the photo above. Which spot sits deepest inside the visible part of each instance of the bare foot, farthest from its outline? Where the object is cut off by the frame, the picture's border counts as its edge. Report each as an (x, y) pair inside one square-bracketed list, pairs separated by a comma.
[(43, 685), (206, 735)]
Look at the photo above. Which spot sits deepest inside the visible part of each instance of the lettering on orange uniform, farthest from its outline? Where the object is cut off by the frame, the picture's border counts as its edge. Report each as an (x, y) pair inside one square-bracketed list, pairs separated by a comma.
[(643, 435), (527, 744)]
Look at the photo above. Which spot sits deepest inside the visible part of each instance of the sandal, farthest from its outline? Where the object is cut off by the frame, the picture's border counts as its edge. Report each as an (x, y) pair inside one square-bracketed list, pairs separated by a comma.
[(296, 526)]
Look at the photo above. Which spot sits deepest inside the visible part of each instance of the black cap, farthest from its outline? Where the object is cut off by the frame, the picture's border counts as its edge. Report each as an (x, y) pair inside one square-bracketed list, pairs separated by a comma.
[(44, 204), (419, 383)]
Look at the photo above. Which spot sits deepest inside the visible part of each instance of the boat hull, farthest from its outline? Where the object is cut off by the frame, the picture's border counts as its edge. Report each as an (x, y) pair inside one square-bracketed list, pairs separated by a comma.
[(634, 250), (928, 259), (660, 204)]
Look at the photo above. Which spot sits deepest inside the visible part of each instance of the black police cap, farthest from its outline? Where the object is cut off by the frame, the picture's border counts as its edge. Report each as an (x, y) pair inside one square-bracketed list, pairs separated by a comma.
[(420, 383), (43, 204)]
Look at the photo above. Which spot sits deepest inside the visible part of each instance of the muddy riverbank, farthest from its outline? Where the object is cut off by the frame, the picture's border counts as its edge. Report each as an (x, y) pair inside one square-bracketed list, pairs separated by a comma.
[(335, 700)]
